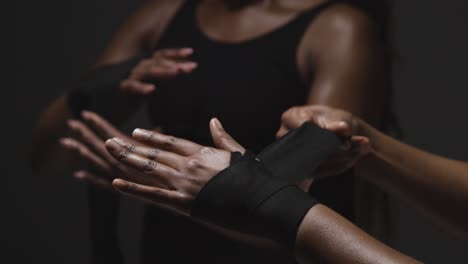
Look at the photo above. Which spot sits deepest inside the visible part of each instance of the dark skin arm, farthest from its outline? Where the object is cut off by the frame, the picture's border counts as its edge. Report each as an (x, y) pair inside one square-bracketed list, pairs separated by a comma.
[(323, 235), (433, 184), (347, 61), (343, 54), (327, 237)]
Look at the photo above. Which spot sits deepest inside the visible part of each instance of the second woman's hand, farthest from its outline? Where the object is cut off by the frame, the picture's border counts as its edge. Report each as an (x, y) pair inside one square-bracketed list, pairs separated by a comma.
[(163, 64), (355, 143)]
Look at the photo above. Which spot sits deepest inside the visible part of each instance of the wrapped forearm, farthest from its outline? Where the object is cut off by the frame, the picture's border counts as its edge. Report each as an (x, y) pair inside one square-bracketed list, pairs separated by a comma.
[(259, 195), (98, 90), (295, 156), (246, 198)]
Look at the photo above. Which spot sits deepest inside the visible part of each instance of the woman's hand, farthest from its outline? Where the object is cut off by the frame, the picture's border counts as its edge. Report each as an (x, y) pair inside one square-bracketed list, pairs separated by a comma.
[(340, 122), (88, 144), (164, 64), (179, 168)]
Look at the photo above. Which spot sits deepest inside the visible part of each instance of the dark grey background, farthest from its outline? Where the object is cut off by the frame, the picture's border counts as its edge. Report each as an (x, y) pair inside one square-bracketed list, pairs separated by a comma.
[(45, 219)]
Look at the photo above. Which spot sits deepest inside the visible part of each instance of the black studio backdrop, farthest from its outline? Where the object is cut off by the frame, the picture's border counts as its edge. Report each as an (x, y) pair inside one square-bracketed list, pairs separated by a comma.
[(44, 219)]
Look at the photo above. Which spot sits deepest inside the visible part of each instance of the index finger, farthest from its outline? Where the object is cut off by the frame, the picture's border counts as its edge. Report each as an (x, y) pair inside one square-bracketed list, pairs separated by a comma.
[(169, 143), (101, 126)]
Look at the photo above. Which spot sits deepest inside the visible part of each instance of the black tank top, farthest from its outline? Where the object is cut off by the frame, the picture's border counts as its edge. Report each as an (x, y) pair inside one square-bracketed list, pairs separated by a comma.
[(247, 85)]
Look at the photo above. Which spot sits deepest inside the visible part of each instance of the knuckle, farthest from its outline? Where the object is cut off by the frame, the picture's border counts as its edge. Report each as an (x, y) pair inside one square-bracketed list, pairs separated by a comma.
[(149, 166), (169, 142), (123, 154), (206, 150), (131, 187), (193, 164), (184, 198), (153, 154), (130, 147), (158, 194)]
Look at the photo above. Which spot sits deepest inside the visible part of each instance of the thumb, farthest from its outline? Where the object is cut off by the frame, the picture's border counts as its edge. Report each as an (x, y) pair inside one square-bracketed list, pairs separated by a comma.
[(222, 139)]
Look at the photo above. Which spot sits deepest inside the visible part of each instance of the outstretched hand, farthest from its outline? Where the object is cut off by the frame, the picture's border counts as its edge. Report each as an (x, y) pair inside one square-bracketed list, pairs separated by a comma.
[(88, 144), (164, 64), (179, 168)]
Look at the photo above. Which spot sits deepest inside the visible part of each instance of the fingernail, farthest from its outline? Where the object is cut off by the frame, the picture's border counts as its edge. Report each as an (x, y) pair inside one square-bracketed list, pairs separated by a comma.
[(192, 65), (140, 133), (71, 123), (85, 114), (218, 124), (78, 174), (343, 124), (64, 141), (187, 50), (119, 184), (112, 145), (149, 88)]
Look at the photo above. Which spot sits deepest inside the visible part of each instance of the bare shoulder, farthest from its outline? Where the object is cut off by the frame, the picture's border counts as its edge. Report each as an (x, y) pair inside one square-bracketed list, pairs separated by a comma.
[(341, 13), (341, 26)]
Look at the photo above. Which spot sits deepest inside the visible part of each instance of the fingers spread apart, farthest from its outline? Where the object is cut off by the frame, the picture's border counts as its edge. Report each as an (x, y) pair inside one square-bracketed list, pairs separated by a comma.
[(162, 175), (83, 152), (168, 143)]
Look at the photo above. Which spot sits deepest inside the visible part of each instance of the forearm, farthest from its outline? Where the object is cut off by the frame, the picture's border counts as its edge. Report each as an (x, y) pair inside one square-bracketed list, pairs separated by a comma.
[(50, 127), (326, 237), (436, 185), (244, 238)]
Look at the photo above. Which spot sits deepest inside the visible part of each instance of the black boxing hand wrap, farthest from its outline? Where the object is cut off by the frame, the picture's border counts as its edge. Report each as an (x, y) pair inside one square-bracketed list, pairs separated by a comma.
[(99, 91), (295, 156), (246, 198), (258, 195)]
